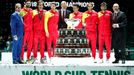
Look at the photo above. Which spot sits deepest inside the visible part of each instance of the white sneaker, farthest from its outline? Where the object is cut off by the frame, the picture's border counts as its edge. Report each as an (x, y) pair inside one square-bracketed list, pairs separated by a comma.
[(101, 61), (95, 61), (36, 61), (107, 60)]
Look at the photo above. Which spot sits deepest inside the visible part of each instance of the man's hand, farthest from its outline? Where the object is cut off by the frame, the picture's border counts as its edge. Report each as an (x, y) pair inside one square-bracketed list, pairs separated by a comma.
[(84, 24), (15, 37), (47, 34), (115, 25)]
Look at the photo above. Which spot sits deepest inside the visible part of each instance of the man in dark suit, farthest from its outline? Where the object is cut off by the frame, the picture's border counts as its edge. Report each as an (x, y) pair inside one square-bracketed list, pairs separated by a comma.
[(16, 24), (63, 13), (119, 21)]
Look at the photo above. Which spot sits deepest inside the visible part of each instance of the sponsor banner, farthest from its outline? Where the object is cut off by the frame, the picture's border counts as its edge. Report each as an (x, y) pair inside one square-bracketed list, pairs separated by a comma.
[(65, 70), (69, 4)]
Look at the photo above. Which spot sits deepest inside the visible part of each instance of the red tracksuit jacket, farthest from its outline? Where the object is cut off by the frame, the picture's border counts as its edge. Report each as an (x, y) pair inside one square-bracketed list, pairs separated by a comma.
[(38, 20), (90, 19), (104, 24), (51, 21), (27, 16)]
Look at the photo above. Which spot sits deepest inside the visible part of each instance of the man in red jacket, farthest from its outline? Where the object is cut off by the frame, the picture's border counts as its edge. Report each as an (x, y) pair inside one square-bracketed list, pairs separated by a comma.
[(89, 19), (104, 28), (76, 15), (27, 14), (39, 32), (51, 28)]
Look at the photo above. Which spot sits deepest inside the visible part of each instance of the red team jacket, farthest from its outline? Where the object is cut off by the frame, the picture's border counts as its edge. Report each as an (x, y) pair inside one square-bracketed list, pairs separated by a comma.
[(90, 19), (27, 15), (104, 24), (51, 22), (38, 20)]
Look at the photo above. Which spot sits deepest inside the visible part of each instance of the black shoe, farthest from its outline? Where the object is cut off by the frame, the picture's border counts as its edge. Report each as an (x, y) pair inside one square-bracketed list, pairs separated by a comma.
[(123, 61), (116, 61)]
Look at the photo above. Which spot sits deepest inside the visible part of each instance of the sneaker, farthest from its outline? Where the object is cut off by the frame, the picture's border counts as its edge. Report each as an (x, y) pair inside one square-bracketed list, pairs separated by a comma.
[(31, 61), (43, 60), (22, 61), (101, 61), (95, 61), (107, 61)]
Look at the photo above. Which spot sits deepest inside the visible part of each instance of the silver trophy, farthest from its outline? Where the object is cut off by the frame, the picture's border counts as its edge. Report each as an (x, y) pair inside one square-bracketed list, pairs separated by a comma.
[(69, 40), (78, 32), (72, 23), (74, 40), (72, 32), (66, 32), (63, 41)]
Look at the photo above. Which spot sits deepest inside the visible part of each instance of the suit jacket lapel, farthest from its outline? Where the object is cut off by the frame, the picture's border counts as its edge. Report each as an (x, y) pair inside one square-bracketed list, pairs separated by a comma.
[(19, 17), (118, 15)]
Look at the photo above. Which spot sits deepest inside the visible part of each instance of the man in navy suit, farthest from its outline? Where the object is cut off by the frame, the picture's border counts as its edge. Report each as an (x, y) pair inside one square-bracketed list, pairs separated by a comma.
[(16, 24), (63, 14)]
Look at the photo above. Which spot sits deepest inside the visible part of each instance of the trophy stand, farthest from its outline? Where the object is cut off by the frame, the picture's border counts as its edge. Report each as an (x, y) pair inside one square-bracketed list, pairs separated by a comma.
[(72, 42)]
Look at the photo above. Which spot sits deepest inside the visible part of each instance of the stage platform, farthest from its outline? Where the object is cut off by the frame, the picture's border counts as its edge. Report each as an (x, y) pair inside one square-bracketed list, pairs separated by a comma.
[(66, 66), (7, 59)]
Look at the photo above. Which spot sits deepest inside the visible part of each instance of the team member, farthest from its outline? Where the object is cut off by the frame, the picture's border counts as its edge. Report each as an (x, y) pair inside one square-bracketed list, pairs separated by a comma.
[(16, 24), (51, 28), (89, 20), (76, 15), (27, 14), (39, 32), (104, 29), (119, 22)]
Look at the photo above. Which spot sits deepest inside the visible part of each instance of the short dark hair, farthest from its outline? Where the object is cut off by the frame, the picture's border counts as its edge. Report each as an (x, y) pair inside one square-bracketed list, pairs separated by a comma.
[(54, 3), (103, 4), (76, 5), (40, 1), (27, 0), (92, 3)]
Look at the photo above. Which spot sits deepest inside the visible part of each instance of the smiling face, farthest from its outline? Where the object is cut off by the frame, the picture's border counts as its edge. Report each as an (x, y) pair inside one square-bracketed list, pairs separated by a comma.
[(28, 4), (75, 8), (18, 7), (53, 6), (115, 7), (40, 5), (103, 7), (63, 5), (90, 6)]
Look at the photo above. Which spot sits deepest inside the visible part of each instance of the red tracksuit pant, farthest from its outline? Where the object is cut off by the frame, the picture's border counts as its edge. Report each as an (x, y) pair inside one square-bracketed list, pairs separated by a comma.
[(51, 43), (28, 43), (92, 42), (39, 43), (104, 40)]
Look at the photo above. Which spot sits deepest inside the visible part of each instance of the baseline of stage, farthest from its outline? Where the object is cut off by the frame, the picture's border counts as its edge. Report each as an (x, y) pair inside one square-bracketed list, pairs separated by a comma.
[(65, 61)]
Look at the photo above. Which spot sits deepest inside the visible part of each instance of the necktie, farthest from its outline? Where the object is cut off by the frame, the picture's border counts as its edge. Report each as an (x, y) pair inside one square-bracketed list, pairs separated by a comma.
[(115, 17), (63, 15)]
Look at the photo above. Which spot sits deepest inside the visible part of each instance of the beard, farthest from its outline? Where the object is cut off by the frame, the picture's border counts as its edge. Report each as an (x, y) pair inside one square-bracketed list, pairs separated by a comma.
[(27, 6)]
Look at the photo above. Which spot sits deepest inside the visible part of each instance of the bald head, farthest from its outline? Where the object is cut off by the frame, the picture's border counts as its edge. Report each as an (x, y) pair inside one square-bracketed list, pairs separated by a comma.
[(63, 5), (18, 7), (115, 7)]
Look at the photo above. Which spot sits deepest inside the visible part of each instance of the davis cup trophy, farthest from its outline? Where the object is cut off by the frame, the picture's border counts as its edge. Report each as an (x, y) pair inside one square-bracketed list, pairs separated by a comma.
[(72, 23), (72, 42)]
